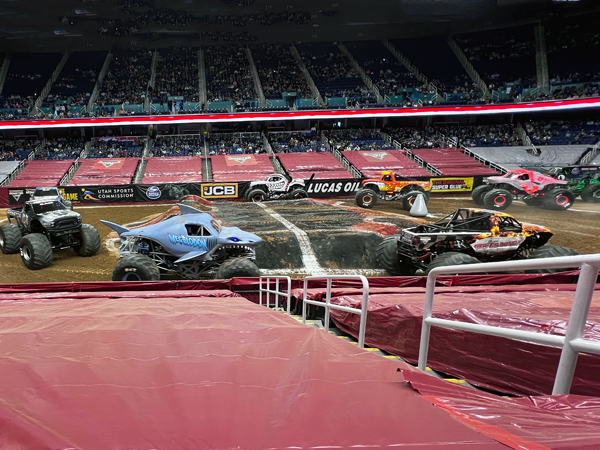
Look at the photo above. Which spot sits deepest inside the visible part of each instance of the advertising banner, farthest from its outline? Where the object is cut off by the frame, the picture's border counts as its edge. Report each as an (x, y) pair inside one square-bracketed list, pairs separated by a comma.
[(333, 188), (452, 184)]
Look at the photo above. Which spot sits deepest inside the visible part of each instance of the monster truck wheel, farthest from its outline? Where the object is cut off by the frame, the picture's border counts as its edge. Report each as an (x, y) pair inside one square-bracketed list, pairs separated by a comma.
[(591, 193), (10, 238), (135, 267), (479, 193), (532, 200), (409, 199), (297, 194), (237, 267), (558, 200), (550, 251), (256, 195), (366, 198), (498, 199), (451, 259), (387, 257), (36, 251), (89, 239)]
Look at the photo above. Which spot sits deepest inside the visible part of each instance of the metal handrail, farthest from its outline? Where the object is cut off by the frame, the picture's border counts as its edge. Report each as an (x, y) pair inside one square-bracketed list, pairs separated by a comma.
[(572, 343), (362, 312), (286, 294)]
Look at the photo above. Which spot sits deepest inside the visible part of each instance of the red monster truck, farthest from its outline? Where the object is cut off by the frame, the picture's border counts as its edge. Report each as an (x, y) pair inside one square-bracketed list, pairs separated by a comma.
[(534, 188), (391, 186)]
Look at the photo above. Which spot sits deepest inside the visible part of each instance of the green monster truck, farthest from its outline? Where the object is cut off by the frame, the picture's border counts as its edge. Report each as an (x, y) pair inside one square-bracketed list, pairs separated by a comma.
[(583, 181)]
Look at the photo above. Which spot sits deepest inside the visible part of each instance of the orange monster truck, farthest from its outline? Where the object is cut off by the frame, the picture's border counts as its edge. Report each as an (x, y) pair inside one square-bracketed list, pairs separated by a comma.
[(391, 186)]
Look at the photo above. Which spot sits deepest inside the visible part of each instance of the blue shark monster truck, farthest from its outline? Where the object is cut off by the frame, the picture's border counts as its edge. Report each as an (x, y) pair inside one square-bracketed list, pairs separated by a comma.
[(191, 245)]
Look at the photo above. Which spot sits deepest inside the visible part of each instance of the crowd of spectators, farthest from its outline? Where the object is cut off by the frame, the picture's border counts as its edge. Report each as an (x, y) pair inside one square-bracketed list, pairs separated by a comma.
[(126, 81), (563, 132), (482, 135), (235, 143), (354, 140), (415, 138), (228, 76), (185, 145), (296, 142), (177, 75), (18, 149), (16, 101), (61, 148), (117, 148), (279, 71), (332, 72)]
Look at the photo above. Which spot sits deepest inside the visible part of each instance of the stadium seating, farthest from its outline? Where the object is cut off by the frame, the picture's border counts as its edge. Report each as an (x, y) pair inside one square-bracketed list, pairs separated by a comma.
[(234, 143), (303, 165), (41, 174), (177, 75), (177, 145), (183, 169), (361, 139), (117, 147), (228, 75), (295, 142)]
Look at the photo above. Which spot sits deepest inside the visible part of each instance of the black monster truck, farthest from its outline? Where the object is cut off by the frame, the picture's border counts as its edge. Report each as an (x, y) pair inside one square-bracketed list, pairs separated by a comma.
[(43, 225), (467, 236), (582, 181)]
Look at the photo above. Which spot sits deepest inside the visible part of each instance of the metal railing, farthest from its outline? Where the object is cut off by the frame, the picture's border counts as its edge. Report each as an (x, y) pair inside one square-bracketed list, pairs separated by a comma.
[(286, 294), (572, 343), (362, 312)]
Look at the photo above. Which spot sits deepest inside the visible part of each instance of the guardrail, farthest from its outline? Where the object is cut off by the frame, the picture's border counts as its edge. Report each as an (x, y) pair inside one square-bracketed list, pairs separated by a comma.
[(362, 312), (572, 343), (277, 293)]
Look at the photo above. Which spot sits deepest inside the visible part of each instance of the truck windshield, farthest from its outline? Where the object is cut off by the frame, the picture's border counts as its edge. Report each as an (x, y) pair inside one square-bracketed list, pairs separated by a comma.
[(40, 208)]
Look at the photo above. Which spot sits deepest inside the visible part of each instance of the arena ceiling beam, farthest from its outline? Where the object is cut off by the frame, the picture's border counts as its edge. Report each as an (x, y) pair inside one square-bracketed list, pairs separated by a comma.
[(548, 106)]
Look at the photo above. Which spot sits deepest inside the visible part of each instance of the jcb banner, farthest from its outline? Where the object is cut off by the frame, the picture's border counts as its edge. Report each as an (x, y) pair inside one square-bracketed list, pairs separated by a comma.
[(452, 184)]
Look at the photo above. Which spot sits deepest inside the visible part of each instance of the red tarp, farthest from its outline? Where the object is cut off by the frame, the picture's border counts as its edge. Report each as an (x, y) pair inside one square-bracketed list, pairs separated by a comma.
[(179, 169), (329, 175), (371, 163), (198, 372), (394, 325), (309, 163), (452, 161), (41, 173), (105, 172)]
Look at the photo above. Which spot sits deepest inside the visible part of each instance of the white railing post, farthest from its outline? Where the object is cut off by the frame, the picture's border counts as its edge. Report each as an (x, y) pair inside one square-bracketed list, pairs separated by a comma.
[(575, 328), (329, 306), (571, 344), (287, 294)]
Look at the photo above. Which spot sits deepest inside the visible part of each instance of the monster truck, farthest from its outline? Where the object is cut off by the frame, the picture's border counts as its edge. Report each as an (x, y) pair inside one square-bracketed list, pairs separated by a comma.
[(191, 245), (534, 188), (277, 187), (391, 186), (582, 181), (467, 236), (45, 224), (50, 193)]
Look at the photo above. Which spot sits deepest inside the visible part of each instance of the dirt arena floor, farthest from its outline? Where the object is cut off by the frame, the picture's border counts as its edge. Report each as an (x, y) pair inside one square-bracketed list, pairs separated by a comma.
[(342, 236)]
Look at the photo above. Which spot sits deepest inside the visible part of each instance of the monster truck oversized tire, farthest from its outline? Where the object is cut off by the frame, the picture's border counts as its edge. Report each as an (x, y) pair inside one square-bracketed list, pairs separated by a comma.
[(498, 199), (256, 195), (591, 193), (409, 199), (550, 251), (89, 239), (479, 193), (366, 198), (237, 267), (297, 194), (387, 257), (10, 238), (36, 251), (135, 267), (558, 200), (451, 259)]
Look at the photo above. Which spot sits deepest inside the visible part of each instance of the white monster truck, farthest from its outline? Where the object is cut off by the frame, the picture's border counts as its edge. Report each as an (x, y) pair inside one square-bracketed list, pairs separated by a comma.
[(277, 187)]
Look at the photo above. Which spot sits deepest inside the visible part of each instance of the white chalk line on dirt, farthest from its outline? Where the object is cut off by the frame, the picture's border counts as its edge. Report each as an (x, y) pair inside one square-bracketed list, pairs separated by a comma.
[(309, 259)]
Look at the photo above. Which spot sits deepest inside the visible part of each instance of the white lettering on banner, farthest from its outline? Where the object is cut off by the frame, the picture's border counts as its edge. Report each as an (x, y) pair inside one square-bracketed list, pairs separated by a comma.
[(239, 159), (376, 155), (497, 244), (333, 187), (219, 190)]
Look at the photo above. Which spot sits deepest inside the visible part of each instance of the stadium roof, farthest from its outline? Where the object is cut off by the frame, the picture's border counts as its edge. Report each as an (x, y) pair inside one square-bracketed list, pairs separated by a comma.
[(36, 25)]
